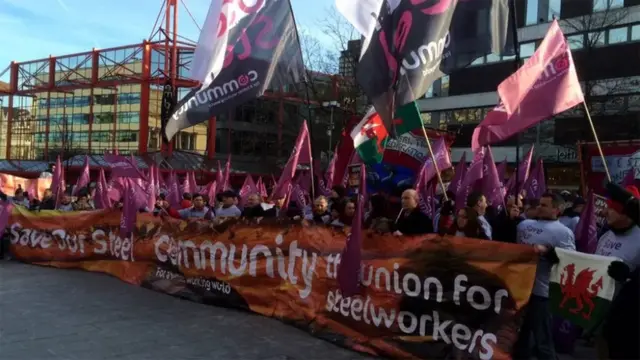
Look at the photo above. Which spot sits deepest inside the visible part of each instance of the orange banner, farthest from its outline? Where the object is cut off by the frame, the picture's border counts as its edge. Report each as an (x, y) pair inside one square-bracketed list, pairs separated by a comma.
[(423, 297), (35, 187)]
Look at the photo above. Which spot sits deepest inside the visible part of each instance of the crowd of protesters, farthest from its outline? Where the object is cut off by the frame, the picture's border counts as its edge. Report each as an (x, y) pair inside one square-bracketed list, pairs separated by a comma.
[(553, 218)]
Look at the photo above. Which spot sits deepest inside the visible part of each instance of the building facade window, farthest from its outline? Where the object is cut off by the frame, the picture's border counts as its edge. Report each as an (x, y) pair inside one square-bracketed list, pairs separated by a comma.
[(601, 5), (531, 16), (596, 38), (576, 42), (527, 50), (618, 35), (553, 12), (128, 117), (635, 32)]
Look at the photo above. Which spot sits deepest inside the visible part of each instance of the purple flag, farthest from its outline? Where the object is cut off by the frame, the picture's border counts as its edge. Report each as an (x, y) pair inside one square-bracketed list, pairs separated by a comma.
[(327, 181), (536, 184), (473, 174), (349, 271), (100, 198), (491, 185), (460, 170), (151, 189), (289, 171), (83, 180), (227, 173), (173, 196), (523, 173), (129, 210), (122, 166), (586, 231), (502, 170), (443, 160)]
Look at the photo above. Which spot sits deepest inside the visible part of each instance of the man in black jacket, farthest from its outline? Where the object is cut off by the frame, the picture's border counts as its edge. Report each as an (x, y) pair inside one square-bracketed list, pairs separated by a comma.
[(411, 220)]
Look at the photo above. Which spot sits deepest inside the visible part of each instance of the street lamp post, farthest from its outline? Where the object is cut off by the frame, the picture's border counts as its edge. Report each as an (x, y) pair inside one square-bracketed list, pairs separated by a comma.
[(332, 105)]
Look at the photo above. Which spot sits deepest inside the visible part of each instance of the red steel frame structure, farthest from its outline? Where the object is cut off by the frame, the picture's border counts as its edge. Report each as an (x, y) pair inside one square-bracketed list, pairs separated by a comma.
[(24, 81)]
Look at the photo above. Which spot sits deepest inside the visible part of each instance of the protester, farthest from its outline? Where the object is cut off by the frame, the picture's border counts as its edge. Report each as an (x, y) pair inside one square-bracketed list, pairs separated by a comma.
[(411, 220), (228, 206), (545, 235), (253, 207), (65, 203), (505, 224), (377, 218), (197, 211), (478, 202), (467, 224), (345, 216), (320, 213), (185, 203), (571, 216), (47, 202)]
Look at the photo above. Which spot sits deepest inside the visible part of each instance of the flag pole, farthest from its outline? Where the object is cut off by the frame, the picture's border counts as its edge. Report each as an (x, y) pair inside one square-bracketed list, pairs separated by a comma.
[(433, 158), (516, 63), (595, 136), (308, 102)]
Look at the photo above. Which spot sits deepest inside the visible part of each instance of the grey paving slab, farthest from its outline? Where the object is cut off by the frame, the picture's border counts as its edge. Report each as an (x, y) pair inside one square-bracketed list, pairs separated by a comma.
[(57, 314)]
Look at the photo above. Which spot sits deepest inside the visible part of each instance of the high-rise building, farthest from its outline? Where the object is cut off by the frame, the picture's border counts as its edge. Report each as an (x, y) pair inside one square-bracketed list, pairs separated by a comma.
[(349, 58), (604, 36)]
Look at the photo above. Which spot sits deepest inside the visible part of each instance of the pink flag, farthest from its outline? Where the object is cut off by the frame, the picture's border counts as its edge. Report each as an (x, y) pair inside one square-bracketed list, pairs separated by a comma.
[(472, 175), (460, 170), (173, 195), (151, 189), (56, 179), (536, 184), (121, 166), (546, 85), (491, 185), (129, 209), (349, 270), (192, 181), (248, 188), (261, 188), (227, 174), (289, 171), (586, 231), (83, 180), (219, 179)]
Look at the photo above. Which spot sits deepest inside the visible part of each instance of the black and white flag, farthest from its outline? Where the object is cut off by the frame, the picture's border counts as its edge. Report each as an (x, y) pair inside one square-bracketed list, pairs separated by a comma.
[(411, 43), (242, 51)]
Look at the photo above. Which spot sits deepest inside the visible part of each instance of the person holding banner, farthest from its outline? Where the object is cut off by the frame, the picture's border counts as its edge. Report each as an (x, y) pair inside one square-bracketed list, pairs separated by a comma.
[(411, 220)]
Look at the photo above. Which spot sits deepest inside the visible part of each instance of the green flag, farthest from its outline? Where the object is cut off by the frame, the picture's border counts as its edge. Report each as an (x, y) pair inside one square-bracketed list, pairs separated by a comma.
[(580, 290), (370, 136)]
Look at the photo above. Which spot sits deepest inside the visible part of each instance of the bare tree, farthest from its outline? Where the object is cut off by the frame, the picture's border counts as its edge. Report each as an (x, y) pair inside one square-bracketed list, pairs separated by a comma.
[(588, 34)]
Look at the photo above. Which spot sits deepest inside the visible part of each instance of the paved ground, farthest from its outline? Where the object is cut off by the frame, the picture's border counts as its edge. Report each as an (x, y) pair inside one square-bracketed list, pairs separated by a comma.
[(65, 314), (49, 313)]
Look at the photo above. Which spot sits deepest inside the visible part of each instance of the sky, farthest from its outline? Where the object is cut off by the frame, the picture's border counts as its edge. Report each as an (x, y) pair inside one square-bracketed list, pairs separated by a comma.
[(35, 29)]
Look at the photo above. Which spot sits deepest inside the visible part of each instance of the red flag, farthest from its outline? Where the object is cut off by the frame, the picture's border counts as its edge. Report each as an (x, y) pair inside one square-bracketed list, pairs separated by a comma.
[(84, 178), (289, 171), (349, 271)]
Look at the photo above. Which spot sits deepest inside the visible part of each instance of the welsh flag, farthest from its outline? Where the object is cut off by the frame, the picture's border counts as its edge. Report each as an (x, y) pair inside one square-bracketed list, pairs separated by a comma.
[(580, 290), (370, 135)]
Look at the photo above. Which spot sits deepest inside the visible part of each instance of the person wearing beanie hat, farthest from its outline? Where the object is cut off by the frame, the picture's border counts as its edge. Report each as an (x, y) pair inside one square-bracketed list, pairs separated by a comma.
[(621, 329), (623, 238), (228, 208)]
